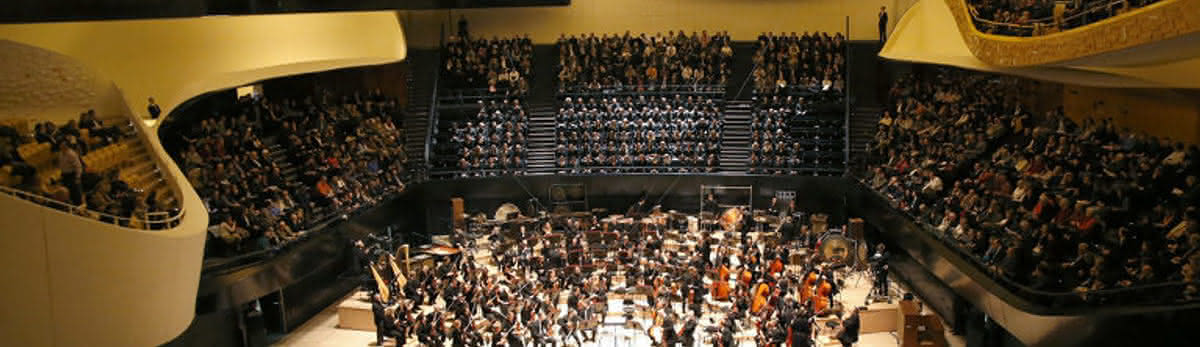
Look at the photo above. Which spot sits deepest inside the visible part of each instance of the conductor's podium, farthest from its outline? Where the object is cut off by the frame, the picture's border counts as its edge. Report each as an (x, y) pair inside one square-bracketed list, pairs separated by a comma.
[(354, 313)]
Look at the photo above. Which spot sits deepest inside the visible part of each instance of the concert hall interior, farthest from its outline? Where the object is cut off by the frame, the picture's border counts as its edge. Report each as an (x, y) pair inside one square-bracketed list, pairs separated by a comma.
[(591, 173)]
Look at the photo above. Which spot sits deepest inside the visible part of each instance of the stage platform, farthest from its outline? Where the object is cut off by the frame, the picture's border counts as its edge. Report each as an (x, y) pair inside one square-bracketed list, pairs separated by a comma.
[(328, 329)]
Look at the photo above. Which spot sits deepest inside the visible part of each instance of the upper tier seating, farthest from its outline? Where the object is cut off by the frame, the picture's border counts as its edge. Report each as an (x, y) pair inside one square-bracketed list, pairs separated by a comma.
[(120, 182), (640, 62), (797, 136), (783, 63), (270, 171), (487, 139), (488, 66), (610, 134), (1044, 204), (1039, 17)]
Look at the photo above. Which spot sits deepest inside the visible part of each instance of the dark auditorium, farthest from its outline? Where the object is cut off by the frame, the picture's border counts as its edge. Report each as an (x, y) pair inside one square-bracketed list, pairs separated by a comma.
[(596, 173)]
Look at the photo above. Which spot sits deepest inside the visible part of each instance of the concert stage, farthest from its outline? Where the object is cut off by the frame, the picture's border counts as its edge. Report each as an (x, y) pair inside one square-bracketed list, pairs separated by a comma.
[(323, 329)]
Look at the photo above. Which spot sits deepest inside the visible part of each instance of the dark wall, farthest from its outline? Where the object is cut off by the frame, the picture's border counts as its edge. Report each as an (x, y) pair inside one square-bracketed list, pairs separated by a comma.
[(617, 193), (391, 79)]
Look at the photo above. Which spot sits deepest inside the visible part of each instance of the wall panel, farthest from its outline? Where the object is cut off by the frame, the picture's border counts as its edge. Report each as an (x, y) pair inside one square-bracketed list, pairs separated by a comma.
[(743, 19), (1158, 112)]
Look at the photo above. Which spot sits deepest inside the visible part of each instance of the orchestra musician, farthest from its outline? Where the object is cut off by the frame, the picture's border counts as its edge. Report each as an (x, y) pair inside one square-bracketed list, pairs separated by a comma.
[(520, 300)]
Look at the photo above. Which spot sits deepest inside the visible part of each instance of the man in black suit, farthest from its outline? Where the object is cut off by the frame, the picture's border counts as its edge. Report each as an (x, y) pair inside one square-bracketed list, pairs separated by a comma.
[(849, 333), (883, 20), (381, 321)]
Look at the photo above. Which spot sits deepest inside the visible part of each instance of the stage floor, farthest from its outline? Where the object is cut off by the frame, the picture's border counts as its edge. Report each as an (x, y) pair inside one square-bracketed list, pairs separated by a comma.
[(322, 329)]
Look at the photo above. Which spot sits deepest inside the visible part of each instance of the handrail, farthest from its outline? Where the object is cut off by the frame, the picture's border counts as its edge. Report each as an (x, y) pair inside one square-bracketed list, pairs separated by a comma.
[(613, 89), (1033, 25), (85, 212), (1022, 290), (433, 102)]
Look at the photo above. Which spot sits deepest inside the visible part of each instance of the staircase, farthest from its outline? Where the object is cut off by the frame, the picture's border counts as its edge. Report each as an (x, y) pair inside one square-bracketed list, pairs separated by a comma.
[(741, 71), (416, 123), (735, 139), (863, 123), (541, 138)]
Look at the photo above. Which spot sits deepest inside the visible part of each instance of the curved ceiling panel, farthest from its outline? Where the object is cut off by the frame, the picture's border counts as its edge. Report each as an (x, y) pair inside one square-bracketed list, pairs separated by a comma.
[(920, 37), (176, 59), (1156, 22)]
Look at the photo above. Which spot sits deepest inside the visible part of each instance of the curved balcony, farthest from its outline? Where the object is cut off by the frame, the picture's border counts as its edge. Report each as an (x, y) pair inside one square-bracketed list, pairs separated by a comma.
[(1132, 316), (73, 281), (1163, 21)]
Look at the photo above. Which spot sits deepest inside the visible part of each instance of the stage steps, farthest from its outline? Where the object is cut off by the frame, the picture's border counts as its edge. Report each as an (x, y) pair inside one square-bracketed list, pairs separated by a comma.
[(864, 121), (735, 138), (541, 138)]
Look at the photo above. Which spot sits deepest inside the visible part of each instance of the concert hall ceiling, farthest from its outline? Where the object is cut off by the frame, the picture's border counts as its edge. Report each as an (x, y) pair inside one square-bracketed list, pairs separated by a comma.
[(922, 36), (29, 11)]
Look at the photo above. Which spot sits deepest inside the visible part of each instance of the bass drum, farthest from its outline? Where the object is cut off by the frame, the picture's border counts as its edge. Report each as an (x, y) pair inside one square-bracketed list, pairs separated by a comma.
[(837, 249)]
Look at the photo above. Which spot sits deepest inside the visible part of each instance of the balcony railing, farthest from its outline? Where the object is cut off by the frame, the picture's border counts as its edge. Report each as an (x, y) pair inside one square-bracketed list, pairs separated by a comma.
[(1165, 293), (151, 221)]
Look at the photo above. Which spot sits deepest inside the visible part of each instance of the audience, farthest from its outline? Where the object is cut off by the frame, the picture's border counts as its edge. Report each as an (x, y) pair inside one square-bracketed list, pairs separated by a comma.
[(783, 62), (498, 65), (792, 135), (492, 141), (267, 170), (1047, 203), (52, 161), (643, 62), (1035, 17), (638, 134)]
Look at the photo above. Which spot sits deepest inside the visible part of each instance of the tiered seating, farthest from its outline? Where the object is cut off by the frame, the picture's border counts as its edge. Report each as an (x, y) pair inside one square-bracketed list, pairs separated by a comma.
[(267, 180), (678, 133), (109, 158), (785, 63), (496, 65), (486, 139), (794, 135), (1051, 206), (590, 63), (1032, 18)]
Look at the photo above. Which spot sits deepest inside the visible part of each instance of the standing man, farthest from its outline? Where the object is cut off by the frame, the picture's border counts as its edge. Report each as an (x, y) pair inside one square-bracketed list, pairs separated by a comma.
[(72, 170), (883, 19)]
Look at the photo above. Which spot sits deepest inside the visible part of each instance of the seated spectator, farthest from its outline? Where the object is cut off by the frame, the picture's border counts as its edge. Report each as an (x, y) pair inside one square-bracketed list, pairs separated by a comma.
[(298, 163), (785, 62), (1124, 200), (498, 65), (793, 135), (638, 134), (641, 62), (492, 141), (1037, 17)]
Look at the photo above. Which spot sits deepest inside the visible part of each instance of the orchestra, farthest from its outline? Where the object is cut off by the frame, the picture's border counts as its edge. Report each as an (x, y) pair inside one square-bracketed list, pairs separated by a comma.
[(551, 281)]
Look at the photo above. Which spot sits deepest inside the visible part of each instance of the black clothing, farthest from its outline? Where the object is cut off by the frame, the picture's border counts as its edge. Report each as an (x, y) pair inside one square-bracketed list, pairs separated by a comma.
[(849, 333)]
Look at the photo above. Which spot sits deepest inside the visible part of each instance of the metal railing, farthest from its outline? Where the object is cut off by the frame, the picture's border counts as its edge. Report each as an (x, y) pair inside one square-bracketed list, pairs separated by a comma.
[(1042, 26), (1140, 294), (152, 220), (642, 90)]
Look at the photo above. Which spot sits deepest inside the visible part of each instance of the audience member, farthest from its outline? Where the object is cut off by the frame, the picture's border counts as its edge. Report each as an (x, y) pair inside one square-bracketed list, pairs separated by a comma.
[(267, 171), (492, 142), (639, 134), (643, 62), (809, 61), (1023, 196), (499, 65), (1035, 17), (791, 135)]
